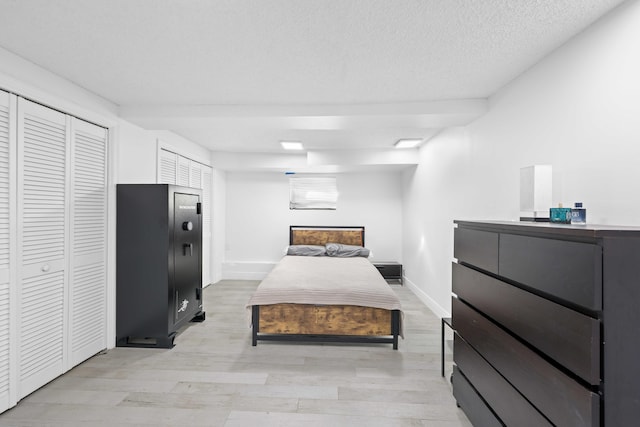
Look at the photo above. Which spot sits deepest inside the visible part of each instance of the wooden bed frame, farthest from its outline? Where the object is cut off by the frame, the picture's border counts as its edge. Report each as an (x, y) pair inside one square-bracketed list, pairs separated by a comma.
[(325, 323)]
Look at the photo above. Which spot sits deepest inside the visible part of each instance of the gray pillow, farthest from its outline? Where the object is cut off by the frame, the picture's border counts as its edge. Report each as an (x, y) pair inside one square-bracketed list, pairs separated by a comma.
[(344, 251), (306, 250)]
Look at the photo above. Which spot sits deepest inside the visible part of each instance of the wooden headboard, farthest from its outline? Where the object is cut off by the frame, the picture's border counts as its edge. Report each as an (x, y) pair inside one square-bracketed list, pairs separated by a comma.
[(321, 235)]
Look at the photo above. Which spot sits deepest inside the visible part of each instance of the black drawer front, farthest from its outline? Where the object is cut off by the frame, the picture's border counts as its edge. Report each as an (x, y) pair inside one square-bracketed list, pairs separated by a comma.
[(570, 338), (478, 248), (571, 271), (390, 270), (507, 403), (471, 403), (561, 399)]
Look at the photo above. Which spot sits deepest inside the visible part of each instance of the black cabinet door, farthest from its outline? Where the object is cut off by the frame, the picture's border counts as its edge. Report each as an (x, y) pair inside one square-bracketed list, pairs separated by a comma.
[(187, 245)]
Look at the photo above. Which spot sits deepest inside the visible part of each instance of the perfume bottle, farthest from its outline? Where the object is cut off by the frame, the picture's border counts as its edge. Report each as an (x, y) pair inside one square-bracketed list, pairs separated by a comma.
[(578, 214), (560, 215)]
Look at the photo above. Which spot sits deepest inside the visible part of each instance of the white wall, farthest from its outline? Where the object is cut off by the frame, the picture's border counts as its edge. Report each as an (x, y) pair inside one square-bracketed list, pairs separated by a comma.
[(218, 206), (577, 110), (136, 158), (258, 217), (31, 81), (138, 151)]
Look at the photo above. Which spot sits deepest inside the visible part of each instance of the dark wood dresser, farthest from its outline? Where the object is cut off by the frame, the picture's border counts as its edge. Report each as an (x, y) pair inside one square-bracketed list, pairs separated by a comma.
[(547, 321)]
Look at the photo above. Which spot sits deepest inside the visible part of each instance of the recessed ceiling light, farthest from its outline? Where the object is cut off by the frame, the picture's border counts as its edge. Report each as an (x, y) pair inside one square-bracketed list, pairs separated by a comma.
[(291, 145), (407, 143)]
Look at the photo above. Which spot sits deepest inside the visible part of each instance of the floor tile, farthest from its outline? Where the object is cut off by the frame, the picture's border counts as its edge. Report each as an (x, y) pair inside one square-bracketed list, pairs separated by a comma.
[(215, 377)]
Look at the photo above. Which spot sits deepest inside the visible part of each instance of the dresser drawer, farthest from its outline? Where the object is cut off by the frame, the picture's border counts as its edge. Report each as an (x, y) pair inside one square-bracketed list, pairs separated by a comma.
[(477, 248), (570, 338), (507, 403), (560, 398), (471, 403), (571, 271)]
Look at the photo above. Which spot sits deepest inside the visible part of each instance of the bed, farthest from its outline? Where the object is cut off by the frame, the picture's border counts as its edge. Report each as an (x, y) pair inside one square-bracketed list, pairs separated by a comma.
[(325, 298)]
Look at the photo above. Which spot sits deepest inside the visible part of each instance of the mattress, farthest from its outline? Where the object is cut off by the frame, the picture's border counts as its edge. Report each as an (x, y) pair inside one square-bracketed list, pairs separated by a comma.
[(325, 280)]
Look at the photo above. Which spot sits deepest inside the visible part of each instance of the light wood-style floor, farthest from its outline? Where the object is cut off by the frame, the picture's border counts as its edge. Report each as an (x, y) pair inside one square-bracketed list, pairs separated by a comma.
[(214, 377)]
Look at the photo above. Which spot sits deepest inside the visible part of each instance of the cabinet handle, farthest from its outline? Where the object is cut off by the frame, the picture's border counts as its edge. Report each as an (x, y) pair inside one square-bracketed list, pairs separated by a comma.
[(188, 249), (45, 268)]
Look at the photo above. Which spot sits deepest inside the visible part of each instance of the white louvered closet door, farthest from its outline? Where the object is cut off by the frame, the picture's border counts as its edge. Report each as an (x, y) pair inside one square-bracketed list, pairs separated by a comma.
[(88, 272), (207, 177), (195, 175), (7, 249), (42, 225), (167, 167), (184, 166)]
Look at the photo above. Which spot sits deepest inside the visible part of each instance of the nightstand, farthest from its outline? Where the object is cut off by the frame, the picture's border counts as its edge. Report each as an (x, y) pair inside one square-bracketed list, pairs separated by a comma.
[(391, 271)]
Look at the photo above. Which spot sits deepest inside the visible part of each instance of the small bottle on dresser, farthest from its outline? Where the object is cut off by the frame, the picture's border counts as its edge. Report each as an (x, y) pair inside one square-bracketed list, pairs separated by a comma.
[(578, 214), (560, 215)]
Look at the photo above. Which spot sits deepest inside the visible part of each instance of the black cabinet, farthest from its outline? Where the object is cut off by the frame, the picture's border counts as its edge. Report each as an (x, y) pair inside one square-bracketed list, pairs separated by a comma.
[(159, 263), (547, 323)]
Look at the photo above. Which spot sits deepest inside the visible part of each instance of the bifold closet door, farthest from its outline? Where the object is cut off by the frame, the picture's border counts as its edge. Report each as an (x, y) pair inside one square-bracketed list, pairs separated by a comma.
[(87, 285), (183, 172), (7, 249), (167, 167), (43, 176), (195, 175)]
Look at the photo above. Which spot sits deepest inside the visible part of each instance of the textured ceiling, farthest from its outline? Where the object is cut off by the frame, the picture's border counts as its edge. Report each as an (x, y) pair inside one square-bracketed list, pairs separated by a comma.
[(238, 75)]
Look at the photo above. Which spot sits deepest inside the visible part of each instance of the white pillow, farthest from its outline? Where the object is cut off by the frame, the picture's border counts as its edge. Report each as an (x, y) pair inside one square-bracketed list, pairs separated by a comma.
[(306, 250), (345, 251)]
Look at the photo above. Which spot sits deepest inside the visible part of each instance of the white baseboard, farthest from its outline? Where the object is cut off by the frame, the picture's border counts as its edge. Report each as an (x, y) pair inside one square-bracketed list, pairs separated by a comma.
[(246, 270), (426, 299)]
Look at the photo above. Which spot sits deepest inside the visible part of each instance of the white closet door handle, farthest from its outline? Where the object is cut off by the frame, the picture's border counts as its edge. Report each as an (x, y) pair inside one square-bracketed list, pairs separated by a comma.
[(45, 268)]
